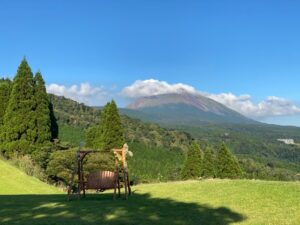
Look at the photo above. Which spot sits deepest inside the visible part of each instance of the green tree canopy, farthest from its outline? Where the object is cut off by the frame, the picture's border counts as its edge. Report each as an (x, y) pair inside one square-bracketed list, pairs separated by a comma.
[(208, 166), (28, 119), (19, 119), (227, 164), (192, 165), (110, 132), (42, 110), (5, 90)]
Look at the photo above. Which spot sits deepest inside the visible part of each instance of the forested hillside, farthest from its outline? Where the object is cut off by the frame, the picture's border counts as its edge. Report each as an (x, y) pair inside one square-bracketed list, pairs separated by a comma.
[(259, 152), (74, 118)]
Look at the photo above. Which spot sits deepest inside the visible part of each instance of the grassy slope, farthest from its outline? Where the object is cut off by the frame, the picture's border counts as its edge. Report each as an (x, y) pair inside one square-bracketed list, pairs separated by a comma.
[(24, 200), (13, 181)]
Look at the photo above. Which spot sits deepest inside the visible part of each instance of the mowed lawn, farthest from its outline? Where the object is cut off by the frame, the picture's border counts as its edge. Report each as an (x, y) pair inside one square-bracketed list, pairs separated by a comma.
[(25, 200)]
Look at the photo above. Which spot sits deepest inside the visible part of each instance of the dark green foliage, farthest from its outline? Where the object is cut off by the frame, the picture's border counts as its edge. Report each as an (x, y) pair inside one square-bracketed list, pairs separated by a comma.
[(27, 124), (227, 164), (193, 163), (208, 165), (54, 125), (5, 90), (19, 120), (62, 164), (42, 111), (109, 133)]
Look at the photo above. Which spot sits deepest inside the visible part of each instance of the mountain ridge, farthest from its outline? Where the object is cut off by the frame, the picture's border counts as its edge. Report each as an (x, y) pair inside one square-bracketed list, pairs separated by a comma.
[(193, 108)]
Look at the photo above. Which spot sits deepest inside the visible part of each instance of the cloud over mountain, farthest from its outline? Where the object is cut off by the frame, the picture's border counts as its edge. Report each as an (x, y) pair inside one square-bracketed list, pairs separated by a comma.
[(271, 106), (83, 93), (143, 88)]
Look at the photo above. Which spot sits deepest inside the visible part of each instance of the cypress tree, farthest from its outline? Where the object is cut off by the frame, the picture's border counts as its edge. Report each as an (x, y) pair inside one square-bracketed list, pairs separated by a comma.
[(192, 166), (19, 120), (208, 168), (110, 133), (227, 164), (42, 110), (5, 90)]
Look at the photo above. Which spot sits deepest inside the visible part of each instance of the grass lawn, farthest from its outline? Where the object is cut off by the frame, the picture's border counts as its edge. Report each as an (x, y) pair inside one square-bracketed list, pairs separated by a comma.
[(13, 181), (24, 200)]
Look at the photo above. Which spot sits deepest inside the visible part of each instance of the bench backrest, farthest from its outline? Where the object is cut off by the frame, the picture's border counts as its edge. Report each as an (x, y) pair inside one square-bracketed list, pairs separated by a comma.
[(101, 180)]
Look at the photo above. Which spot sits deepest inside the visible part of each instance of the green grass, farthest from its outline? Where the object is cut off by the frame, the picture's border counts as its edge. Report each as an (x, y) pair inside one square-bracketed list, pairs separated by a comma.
[(13, 181), (25, 200)]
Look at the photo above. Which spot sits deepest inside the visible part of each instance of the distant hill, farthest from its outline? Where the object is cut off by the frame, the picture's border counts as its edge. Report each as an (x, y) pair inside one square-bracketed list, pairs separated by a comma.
[(74, 118), (183, 109)]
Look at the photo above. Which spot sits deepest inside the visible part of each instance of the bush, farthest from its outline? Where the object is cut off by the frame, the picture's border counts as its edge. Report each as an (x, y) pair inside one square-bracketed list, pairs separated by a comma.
[(63, 163), (26, 164)]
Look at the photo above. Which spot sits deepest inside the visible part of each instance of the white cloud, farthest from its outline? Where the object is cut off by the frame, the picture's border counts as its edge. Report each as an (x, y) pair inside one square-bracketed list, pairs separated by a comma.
[(83, 93), (271, 106), (142, 88)]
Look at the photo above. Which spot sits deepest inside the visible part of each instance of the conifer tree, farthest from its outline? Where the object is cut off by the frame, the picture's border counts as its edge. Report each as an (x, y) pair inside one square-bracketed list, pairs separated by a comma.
[(227, 164), (42, 110), (19, 120), (208, 168), (5, 90), (192, 166), (110, 133)]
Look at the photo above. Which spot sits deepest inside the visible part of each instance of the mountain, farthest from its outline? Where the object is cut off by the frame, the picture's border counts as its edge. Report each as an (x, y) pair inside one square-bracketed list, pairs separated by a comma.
[(211, 122), (183, 109)]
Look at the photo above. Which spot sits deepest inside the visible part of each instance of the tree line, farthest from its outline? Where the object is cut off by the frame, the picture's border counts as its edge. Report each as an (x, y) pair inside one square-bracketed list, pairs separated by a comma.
[(207, 164), (27, 121)]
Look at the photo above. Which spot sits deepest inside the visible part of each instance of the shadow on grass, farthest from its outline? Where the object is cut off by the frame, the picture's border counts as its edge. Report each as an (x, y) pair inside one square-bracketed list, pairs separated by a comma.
[(101, 209)]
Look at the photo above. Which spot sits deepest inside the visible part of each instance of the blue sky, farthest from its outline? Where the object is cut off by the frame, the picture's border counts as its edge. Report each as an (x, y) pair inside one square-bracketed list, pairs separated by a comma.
[(238, 47)]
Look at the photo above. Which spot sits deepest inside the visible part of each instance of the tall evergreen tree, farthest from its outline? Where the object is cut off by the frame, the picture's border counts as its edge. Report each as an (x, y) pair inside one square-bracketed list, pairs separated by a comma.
[(227, 164), (54, 125), (42, 110), (208, 165), (192, 166), (19, 120), (5, 90), (110, 132)]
